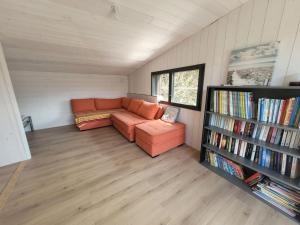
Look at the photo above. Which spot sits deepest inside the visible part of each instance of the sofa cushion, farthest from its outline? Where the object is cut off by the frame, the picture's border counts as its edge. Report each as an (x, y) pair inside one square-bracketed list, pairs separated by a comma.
[(158, 131), (102, 103), (125, 122), (94, 124), (170, 115), (81, 105), (103, 113), (128, 118), (134, 105), (160, 111), (148, 110), (125, 102)]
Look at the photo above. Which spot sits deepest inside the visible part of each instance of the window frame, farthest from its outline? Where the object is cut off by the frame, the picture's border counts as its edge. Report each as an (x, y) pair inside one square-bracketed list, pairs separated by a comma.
[(200, 67)]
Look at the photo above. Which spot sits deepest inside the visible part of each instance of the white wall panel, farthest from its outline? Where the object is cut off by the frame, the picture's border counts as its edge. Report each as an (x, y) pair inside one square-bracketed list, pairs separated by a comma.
[(258, 21), (46, 96), (255, 22), (244, 24), (287, 36), (273, 19), (13, 143)]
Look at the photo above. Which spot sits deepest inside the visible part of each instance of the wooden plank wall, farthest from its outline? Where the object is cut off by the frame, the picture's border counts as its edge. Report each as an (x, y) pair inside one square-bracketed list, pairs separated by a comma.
[(256, 21)]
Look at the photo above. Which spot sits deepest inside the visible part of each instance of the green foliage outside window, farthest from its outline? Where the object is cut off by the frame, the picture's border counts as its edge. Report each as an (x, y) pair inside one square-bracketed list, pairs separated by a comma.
[(185, 87)]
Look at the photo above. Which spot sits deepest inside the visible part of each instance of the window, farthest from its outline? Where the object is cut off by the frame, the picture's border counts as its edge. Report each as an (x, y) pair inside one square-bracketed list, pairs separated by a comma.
[(180, 87), (161, 82)]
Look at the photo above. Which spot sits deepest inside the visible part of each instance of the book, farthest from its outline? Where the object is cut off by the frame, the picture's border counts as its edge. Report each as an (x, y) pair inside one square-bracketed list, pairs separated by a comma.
[(254, 179), (281, 111), (295, 168), (283, 164), (264, 133), (239, 104), (247, 138), (289, 110), (285, 198), (225, 164)]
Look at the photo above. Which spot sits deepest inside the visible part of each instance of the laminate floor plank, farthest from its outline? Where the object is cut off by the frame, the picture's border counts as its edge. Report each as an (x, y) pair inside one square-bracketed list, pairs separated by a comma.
[(5, 173)]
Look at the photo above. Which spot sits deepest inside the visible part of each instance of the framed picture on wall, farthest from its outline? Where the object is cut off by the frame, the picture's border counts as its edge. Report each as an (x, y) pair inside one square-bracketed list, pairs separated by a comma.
[(252, 65)]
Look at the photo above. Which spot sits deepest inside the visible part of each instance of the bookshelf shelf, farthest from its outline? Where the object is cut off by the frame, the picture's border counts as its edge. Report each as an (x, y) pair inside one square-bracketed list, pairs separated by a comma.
[(257, 93), (276, 148), (239, 183), (295, 183), (256, 122)]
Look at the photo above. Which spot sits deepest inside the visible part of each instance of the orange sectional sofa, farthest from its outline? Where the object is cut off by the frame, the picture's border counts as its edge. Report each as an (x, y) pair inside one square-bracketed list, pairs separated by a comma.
[(135, 119)]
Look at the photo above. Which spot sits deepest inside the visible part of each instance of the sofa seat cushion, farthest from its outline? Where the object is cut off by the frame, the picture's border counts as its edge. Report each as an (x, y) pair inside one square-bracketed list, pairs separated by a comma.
[(82, 117), (94, 124), (156, 137), (128, 118), (125, 122), (158, 131)]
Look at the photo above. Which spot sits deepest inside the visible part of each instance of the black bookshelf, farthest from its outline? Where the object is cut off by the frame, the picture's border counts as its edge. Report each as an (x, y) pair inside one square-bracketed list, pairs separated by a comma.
[(258, 92)]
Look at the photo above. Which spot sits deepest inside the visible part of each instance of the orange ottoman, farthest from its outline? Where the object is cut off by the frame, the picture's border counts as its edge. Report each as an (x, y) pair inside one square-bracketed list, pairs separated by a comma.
[(157, 136)]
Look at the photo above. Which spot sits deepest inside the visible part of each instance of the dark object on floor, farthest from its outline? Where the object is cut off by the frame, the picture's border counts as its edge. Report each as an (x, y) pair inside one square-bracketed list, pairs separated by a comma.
[(27, 121)]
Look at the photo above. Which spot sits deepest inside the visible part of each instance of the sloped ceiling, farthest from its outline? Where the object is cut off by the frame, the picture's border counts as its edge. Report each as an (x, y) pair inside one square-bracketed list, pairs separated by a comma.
[(99, 36)]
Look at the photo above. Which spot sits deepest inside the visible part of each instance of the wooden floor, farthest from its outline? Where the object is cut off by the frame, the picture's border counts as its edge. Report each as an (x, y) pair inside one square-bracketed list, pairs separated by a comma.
[(5, 173), (96, 177)]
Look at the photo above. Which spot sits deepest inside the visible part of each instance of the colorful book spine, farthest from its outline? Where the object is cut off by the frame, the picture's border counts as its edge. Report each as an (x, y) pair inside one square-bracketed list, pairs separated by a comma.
[(279, 111), (225, 164), (232, 103)]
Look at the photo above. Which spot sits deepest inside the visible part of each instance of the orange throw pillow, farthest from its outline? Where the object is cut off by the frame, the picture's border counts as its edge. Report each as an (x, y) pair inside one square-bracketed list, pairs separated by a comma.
[(81, 105), (102, 103), (148, 110), (160, 112), (134, 105), (125, 102)]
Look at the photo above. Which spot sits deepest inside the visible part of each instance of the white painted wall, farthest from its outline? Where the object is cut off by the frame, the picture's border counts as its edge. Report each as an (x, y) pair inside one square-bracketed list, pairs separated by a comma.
[(13, 142), (257, 21), (46, 96)]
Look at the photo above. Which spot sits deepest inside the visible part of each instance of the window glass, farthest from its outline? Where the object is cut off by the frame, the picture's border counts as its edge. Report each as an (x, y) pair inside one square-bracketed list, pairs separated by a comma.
[(161, 86), (185, 87)]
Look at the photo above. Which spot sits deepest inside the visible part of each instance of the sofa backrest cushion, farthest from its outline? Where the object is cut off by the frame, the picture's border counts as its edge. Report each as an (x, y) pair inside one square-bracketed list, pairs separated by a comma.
[(102, 103), (134, 105), (125, 102), (160, 111), (81, 105), (148, 110)]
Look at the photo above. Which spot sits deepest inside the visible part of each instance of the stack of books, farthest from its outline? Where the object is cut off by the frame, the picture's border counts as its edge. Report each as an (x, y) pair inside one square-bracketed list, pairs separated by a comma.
[(279, 111), (233, 103), (268, 134), (286, 199), (254, 179), (225, 164), (279, 162)]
